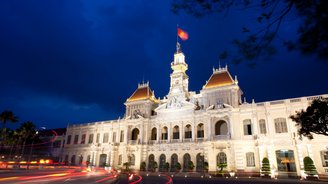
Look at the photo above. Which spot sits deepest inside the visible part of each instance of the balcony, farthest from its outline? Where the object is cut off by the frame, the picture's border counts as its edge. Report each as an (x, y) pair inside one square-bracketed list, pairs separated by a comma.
[(164, 141), (187, 140), (152, 141), (134, 141), (200, 139), (175, 140), (221, 137)]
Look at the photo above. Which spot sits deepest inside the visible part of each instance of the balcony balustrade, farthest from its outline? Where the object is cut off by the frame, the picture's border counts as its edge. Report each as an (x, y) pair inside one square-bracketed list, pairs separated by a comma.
[(221, 137)]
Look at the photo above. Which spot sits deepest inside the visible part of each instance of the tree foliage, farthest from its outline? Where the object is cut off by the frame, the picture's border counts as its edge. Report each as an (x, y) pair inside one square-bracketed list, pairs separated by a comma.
[(313, 120), (6, 116), (312, 36)]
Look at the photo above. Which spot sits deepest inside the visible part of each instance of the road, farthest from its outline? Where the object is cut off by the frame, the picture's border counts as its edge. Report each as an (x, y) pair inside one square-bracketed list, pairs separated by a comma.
[(80, 176)]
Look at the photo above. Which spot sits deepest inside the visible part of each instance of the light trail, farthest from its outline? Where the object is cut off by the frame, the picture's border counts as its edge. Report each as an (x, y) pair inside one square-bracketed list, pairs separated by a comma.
[(135, 182), (107, 178)]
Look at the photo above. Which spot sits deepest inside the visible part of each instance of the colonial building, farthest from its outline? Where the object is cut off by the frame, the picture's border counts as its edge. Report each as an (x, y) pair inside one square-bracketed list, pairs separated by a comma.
[(207, 128)]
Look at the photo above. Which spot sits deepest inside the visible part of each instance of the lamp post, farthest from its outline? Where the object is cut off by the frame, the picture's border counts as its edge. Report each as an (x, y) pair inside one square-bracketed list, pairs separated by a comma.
[(31, 150)]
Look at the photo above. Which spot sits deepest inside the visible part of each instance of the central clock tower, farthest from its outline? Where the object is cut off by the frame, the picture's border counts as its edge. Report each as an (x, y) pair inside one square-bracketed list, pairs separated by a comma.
[(179, 78)]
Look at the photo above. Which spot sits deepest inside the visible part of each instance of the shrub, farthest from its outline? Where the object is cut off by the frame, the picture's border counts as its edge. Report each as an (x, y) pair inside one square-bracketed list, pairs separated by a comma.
[(126, 165), (309, 166), (178, 166), (191, 165), (143, 166), (222, 166), (206, 166), (167, 166), (266, 166)]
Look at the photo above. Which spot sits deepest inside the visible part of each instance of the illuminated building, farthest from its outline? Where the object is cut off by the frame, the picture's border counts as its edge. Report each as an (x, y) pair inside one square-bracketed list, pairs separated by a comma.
[(213, 126)]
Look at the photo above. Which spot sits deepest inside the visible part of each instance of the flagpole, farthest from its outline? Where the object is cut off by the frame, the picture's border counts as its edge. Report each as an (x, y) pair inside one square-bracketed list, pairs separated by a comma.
[(177, 32)]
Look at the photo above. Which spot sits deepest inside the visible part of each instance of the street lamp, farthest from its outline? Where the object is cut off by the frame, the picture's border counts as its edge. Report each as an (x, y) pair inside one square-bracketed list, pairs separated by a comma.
[(29, 156)]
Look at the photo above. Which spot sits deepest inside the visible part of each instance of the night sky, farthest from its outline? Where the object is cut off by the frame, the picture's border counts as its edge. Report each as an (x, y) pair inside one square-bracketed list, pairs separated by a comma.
[(78, 61)]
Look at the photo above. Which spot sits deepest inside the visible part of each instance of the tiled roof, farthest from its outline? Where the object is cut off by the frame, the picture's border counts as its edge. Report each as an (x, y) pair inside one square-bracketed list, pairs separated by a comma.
[(221, 78), (142, 93)]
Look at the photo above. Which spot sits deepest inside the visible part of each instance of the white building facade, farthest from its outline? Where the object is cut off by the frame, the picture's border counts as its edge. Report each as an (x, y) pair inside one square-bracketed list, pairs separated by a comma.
[(211, 127)]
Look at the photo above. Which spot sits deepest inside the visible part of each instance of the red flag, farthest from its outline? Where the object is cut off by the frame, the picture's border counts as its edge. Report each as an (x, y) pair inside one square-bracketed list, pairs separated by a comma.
[(182, 34)]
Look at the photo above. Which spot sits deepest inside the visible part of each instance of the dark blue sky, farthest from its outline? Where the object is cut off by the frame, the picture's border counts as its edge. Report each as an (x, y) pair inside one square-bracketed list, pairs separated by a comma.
[(78, 61)]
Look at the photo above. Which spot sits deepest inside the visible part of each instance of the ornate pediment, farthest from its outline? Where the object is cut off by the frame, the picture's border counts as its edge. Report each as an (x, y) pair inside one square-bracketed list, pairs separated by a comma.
[(175, 104)]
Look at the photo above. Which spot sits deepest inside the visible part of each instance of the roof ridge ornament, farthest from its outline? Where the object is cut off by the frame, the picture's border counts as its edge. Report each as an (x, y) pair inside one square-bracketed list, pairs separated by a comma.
[(143, 84)]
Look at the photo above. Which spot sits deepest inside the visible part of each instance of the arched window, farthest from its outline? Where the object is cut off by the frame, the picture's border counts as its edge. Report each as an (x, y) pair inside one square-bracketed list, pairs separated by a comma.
[(174, 161), (200, 130), (280, 125), (135, 134), (188, 131), (221, 128), (66, 159), (102, 160), (151, 160), (162, 161), (247, 127), (88, 159), (153, 134), (176, 132), (221, 158), (186, 160), (73, 160), (200, 162), (80, 159), (132, 159), (250, 160), (164, 133), (262, 126)]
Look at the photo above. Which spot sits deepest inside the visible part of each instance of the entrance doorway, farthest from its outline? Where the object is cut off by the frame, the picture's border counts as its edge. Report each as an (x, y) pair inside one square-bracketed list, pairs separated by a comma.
[(102, 160), (286, 163)]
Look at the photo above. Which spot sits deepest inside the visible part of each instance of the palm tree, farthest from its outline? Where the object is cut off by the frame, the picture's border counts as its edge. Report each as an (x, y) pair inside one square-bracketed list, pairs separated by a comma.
[(26, 131), (7, 116)]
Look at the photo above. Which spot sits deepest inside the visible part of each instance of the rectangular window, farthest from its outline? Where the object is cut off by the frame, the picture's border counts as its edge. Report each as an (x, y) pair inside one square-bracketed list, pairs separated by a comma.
[(324, 158), (176, 135), (98, 137), (114, 137), (76, 139), (280, 125), (90, 139), (119, 159), (164, 136), (262, 126), (188, 135), (69, 139), (105, 138), (250, 161), (200, 134), (83, 139), (122, 136), (247, 127)]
